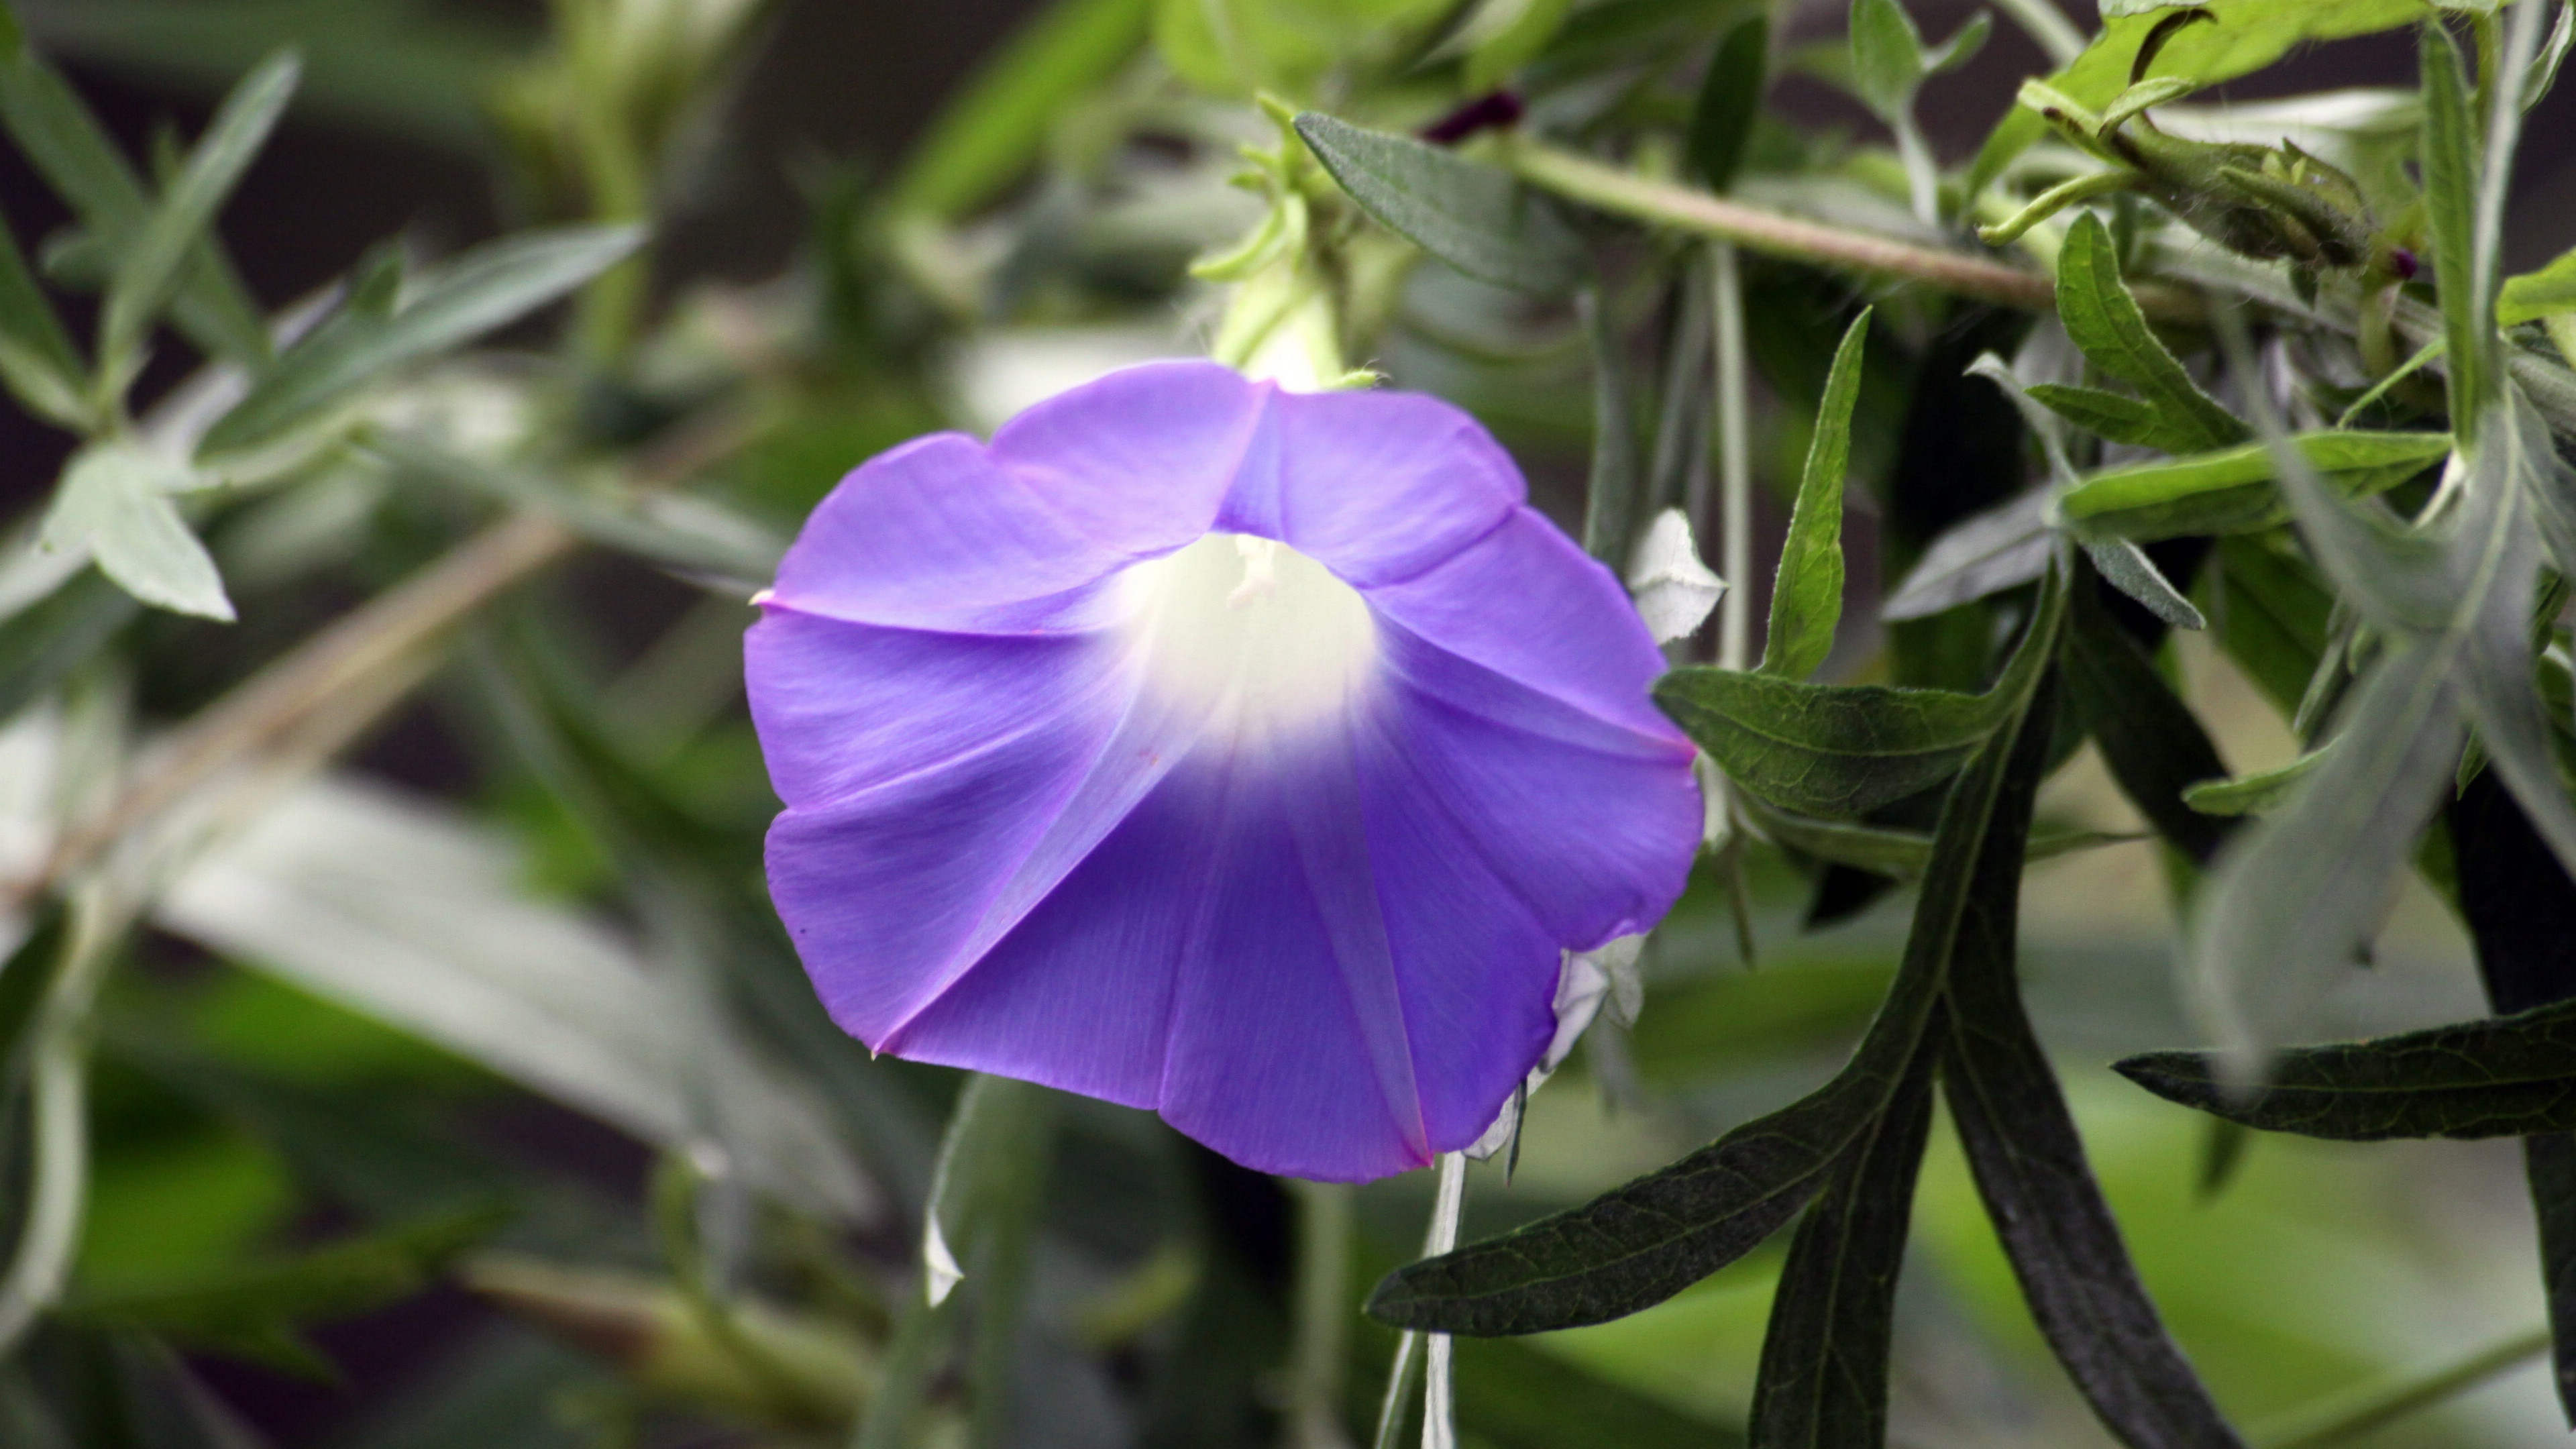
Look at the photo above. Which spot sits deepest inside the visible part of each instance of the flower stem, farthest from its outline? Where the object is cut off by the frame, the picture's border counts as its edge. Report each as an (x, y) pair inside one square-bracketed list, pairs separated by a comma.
[(2350, 1416), (1439, 1394), (1735, 462), (1772, 233), (1323, 1309)]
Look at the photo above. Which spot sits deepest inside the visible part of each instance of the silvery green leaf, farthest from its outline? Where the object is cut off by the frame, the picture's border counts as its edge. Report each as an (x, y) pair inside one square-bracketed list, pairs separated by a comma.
[(1887, 55), (148, 265), (2295, 898), (692, 535), (2543, 73), (2259, 793), (66, 143), (401, 912), (115, 502), (2548, 482), (1476, 218), (2126, 567), (444, 307), (1673, 589), (2002, 548), (1964, 45)]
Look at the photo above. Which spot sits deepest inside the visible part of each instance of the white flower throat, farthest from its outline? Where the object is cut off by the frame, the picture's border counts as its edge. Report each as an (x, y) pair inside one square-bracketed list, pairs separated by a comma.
[(1259, 635)]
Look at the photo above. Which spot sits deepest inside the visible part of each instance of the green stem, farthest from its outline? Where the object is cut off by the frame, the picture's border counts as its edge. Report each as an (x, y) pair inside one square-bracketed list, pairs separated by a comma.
[(50, 1236), (1771, 233), (1735, 461), (2352, 1415), (887, 1424), (1323, 1313)]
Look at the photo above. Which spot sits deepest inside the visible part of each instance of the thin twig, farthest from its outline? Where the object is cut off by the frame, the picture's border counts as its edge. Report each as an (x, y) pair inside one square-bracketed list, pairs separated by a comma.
[(1777, 234)]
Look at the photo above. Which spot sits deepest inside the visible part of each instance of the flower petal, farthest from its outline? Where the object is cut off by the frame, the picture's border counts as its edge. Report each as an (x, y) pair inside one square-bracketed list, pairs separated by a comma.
[(1524, 602), (843, 706), (1377, 486)]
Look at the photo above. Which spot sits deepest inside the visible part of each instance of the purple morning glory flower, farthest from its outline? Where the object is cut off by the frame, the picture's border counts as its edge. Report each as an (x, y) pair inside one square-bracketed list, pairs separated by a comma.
[(1247, 755)]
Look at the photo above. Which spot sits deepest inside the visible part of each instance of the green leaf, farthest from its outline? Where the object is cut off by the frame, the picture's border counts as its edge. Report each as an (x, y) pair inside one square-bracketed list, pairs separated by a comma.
[(115, 501), (2233, 490), (1823, 1377), (2104, 319), (404, 913), (2546, 292), (1474, 217), (2259, 793), (1807, 592), (255, 1312), (2126, 567), (2115, 416), (2002, 548), (2030, 1167), (149, 263), (2249, 36), (1887, 55), (2450, 160), (2274, 625), (996, 125), (444, 307), (43, 643), (1730, 97), (1641, 1243), (694, 535), (1885, 849), (2507, 1076), (1837, 750), (2149, 738), (68, 145), (36, 357)]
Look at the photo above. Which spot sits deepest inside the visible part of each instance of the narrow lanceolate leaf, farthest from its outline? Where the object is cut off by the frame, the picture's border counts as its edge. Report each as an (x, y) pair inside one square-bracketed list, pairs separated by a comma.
[(1824, 1372), (997, 124), (115, 501), (2029, 1163), (36, 357), (1476, 218), (148, 266), (1834, 750), (2450, 159), (1730, 96), (1823, 1376), (2126, 567), (1887, 55), (2001, 548), (1639, 1244), (2153, 744), (1887, 850), (447, 306), (2508, 1076), (1807, 593), (2105, 322), (2116, 416), (66, 143), (2259, 793), (2236, 490), (1837, 750)]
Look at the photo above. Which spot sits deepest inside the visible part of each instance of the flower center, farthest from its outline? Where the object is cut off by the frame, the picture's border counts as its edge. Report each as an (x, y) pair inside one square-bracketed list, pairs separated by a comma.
[(1259, 635)]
